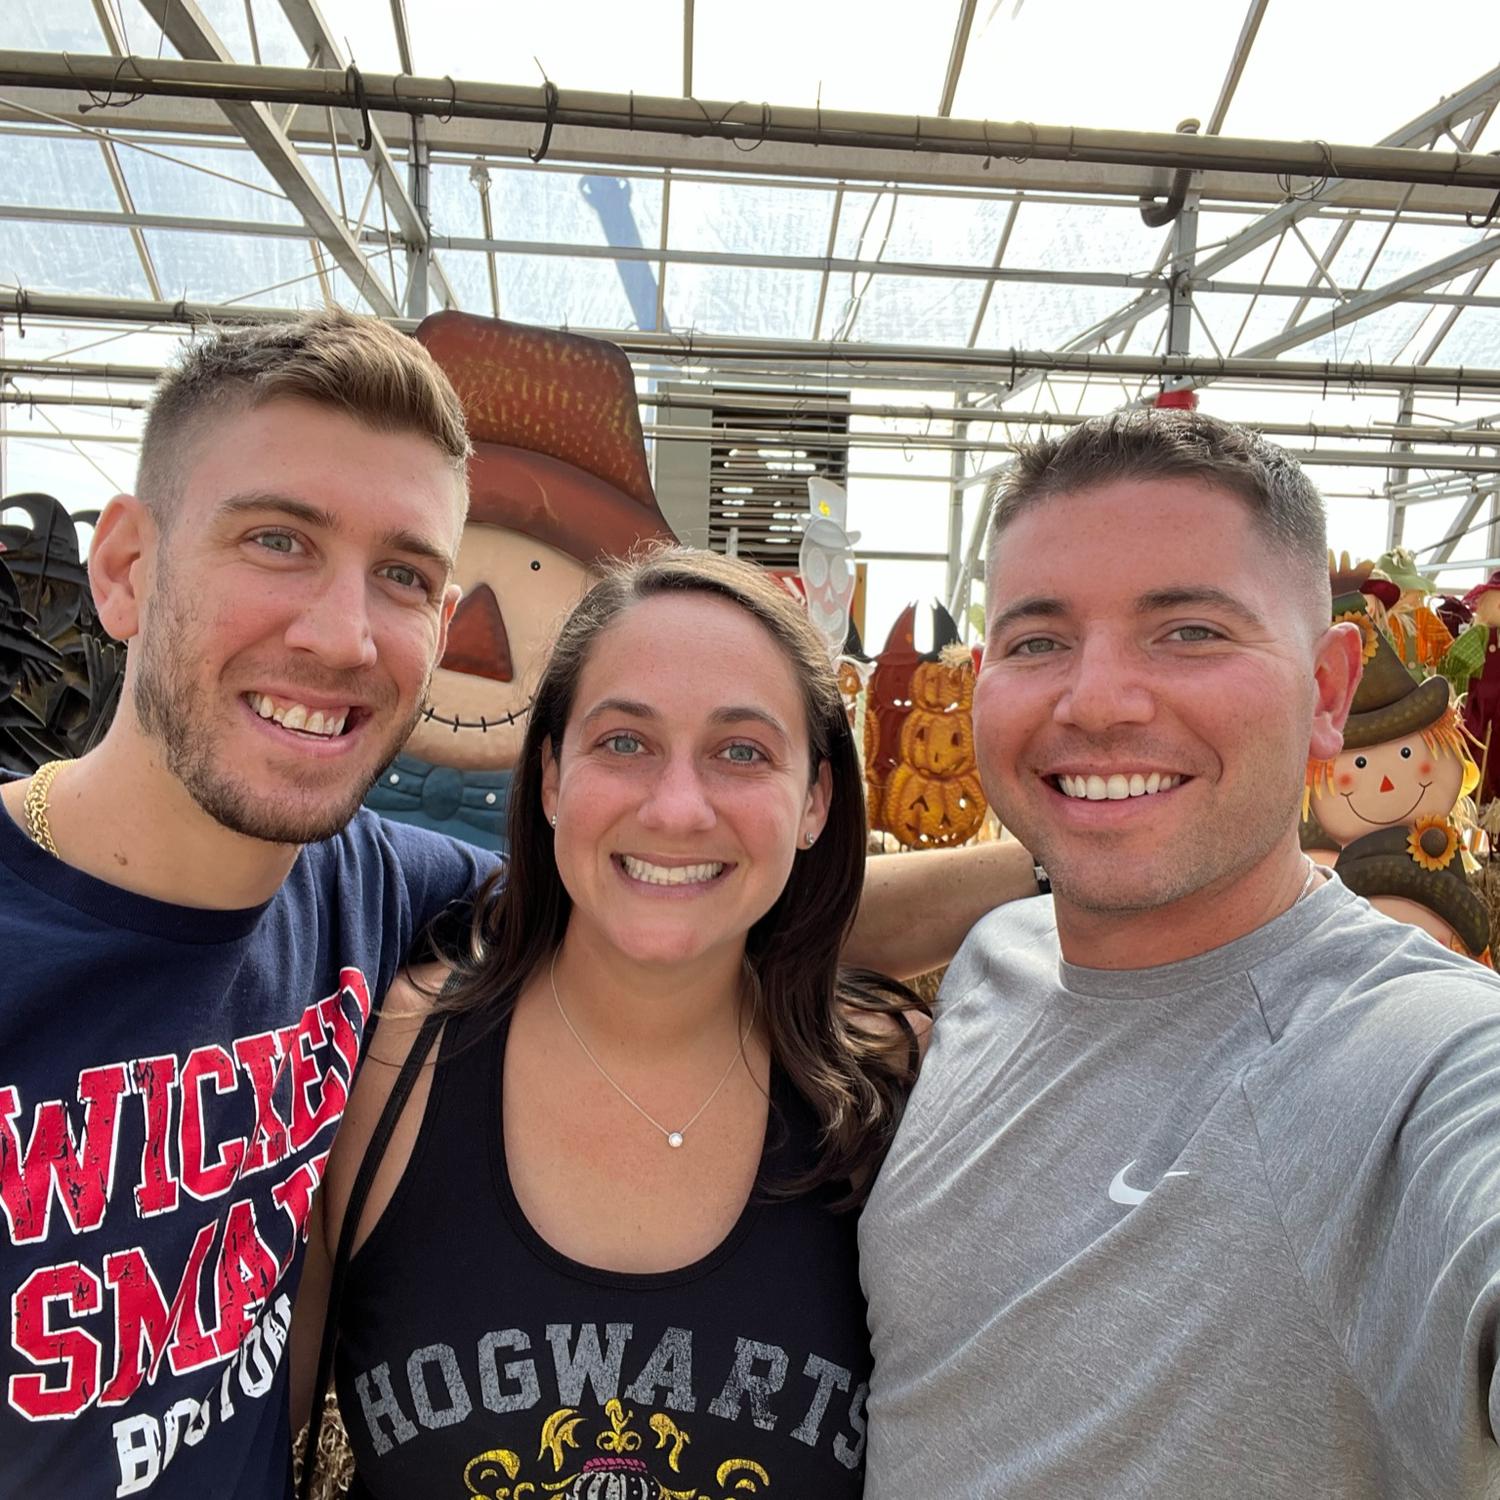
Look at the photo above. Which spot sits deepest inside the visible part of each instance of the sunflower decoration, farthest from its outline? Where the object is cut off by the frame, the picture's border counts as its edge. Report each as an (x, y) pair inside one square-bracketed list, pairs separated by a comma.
[(1369, 644), (1433, 842)]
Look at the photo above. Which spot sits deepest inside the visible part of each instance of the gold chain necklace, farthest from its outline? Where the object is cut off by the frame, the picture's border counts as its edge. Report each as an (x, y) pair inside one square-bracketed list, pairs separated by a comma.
[(35, 805), (674, 1138)]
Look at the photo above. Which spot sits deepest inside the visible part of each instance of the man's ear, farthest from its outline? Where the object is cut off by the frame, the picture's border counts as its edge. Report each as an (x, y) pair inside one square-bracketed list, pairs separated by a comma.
[(451, 595), (123, 536), (1337, 666)]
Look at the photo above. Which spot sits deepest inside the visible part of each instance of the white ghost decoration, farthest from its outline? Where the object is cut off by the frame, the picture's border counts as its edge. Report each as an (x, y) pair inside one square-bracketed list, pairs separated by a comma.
[(826, 563)]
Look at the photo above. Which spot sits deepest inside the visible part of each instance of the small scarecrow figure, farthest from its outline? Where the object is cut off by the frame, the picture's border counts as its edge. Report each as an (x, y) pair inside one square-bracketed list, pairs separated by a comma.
[(1479, 648), (1416, 875), (1419, 636), (1404, 765)]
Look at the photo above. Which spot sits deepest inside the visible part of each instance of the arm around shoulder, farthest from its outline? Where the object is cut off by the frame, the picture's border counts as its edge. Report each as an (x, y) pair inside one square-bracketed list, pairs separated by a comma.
[(917, 908)]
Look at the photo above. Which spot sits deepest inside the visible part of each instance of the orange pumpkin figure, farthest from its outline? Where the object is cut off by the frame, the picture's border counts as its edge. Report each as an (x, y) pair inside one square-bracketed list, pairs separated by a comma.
[(919, 741)]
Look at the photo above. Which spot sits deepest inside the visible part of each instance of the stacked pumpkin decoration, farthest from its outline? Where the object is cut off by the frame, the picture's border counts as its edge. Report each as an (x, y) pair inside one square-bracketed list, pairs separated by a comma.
[(920, 769)]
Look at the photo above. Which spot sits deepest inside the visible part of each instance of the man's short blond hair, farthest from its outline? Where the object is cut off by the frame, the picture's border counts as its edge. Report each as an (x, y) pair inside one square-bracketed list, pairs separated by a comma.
[(356, 365)]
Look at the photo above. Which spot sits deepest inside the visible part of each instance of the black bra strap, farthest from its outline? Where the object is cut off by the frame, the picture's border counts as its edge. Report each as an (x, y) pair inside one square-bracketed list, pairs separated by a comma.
[(374, 1154)]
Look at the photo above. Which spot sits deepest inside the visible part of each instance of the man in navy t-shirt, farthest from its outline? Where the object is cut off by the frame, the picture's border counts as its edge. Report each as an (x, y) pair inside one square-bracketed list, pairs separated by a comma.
[(196, 917)]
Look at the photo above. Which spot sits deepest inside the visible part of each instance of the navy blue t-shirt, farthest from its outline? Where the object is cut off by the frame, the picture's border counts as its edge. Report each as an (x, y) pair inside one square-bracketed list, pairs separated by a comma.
[(170, 1083)]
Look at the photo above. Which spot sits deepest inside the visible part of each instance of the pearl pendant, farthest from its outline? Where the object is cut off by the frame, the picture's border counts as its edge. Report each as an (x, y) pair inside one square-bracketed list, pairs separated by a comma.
[(675, 1139)]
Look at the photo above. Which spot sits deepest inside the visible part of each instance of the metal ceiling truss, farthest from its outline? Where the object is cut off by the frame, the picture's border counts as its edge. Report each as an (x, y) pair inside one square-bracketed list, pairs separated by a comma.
[(186, 27), (1410, 176)]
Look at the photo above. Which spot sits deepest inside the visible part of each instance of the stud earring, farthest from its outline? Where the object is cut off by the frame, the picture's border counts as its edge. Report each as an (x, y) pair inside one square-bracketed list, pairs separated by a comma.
[(812, 839), (554, 820)]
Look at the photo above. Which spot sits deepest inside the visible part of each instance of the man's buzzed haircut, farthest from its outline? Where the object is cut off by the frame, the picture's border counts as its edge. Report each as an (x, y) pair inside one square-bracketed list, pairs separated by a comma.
[(356, 365), (1152, 444)]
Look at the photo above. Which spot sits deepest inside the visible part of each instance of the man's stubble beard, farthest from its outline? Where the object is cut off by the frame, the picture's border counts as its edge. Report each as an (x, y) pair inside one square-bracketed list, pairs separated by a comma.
[(1217, 855), (170, 710)]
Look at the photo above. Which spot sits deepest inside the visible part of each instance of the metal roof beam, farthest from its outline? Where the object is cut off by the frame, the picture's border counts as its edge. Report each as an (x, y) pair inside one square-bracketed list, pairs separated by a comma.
[(1237, 63), (1419, 132), (189, 31), (313, 32), (736, 125), (403, 35), (1434, 273), (961, 33), (502, 142)]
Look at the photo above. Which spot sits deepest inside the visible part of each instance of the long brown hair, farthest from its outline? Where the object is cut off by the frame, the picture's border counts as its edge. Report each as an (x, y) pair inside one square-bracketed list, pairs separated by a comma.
[(841, 1036)]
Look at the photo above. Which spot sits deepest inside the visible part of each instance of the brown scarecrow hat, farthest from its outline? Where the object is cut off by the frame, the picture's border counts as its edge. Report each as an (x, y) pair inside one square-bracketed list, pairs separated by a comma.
[(1389, 702), (1421, 864), (558, 448)]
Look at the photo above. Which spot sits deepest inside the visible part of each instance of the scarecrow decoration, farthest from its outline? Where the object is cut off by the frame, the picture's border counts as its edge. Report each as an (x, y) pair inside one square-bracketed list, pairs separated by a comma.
[(1403, 770), (1475, 661), (1418, 878), (920, 770), (558, 482), (1420, 638)]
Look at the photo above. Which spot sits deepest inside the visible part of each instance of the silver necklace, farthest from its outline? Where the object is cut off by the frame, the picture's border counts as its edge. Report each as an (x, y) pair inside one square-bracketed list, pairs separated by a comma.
[(1312, 877), (676, 1137)]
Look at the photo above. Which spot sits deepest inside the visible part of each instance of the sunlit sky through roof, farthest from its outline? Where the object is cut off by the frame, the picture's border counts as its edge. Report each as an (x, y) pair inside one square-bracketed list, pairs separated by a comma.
[(1339, 70)]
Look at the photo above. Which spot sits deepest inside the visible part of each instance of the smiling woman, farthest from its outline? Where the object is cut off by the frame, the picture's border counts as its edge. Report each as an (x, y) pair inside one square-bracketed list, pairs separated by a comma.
[(654, 1088)]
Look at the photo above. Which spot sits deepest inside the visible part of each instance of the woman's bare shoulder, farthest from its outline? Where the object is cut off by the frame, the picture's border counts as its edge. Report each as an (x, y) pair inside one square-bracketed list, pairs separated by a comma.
[(407, 1004)]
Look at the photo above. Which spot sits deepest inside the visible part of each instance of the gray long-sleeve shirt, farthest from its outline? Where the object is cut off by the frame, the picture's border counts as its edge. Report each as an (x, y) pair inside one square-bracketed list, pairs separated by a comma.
[(1228, 1227)]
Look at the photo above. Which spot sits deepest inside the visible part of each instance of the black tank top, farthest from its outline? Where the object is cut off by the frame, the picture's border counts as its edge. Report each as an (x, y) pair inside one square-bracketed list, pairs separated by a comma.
[(474, 1359)]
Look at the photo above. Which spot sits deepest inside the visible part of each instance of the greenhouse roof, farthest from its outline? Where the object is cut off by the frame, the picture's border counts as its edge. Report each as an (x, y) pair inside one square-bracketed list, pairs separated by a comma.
[(879, 264)]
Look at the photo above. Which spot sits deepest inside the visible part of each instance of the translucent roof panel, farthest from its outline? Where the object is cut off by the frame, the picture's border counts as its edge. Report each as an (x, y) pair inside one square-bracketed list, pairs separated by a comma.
[(751, 218), (1354, 73), (247, 270), (915, 310), (560, 208), (585, 44), (1473, 340), (50, 26), (209, 182), (96, 344), (1026, 62), (1026, 316), (365, 33), (52, 171), (742, 300), (1239, 321), (853, 54), (88, 259), (1383, 337), (273, 40), (355, 174), (545, 289), (1410, 246), (1083, 237), (928, 228)]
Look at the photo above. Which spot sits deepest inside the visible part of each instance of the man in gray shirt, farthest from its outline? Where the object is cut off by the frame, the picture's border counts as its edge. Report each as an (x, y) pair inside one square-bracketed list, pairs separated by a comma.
[(1199, 1192)]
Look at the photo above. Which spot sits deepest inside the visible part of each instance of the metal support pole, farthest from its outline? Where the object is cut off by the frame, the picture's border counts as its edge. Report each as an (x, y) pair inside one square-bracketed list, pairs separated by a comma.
[(419, 257), (956, 516), (1180, 282), (1396, 520)]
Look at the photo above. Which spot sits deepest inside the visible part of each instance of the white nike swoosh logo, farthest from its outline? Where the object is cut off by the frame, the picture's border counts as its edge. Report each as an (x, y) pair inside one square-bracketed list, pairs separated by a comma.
[(1121, 1191)]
